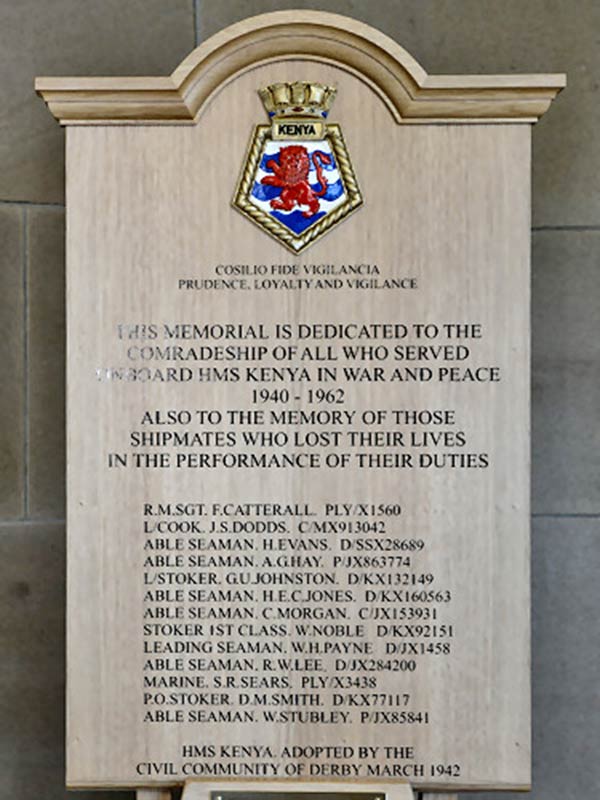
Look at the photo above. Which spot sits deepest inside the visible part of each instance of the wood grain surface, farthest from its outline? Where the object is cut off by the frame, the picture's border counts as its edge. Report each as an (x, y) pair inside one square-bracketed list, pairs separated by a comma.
[(446, 204)]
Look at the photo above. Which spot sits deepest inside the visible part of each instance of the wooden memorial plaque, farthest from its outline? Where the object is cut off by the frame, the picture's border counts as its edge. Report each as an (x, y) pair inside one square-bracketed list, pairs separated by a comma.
[(298, 415)]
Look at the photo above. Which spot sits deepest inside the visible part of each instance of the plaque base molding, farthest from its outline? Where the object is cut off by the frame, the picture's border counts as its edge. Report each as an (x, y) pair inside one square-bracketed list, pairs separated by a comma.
[(153, 794), (278, 790)]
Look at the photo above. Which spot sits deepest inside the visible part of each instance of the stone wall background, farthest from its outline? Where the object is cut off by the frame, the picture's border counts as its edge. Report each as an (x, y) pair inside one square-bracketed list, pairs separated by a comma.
[(149, 37)]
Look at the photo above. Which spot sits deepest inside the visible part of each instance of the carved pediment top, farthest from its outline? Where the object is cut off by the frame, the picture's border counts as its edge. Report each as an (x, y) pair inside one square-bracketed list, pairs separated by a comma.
[(409, 92)]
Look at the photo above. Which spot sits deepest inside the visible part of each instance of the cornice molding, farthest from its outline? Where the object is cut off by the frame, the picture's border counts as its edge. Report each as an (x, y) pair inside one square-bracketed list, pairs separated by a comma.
[(411, 95)]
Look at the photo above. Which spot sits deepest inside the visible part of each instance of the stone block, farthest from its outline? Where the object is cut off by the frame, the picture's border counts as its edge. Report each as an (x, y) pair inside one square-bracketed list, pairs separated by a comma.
[(46, 338), (68, 37), (566, 381), (566, 632), (12, 358), (32, 667)]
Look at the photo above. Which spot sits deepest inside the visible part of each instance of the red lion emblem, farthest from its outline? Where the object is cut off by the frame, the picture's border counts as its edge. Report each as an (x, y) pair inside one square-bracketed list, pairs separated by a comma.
[(291, 175)]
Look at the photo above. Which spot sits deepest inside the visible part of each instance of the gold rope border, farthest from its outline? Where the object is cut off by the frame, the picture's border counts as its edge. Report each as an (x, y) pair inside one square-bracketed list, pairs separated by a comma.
[(272, 226)]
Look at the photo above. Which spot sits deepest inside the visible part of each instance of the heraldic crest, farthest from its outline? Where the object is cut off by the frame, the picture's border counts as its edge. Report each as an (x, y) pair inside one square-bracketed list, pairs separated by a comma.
[(297, 181)]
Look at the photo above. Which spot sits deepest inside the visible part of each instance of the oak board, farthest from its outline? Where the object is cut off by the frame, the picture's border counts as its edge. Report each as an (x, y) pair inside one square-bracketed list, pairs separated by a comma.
[(365, 616)]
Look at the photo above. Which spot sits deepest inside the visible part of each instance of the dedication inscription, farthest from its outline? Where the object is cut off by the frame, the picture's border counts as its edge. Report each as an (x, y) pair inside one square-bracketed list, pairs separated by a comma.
[(298, 441)]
